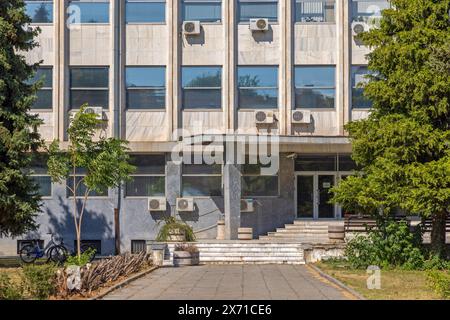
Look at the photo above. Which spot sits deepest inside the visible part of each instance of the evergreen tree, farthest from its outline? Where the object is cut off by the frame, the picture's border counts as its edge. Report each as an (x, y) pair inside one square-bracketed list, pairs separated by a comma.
[(19, 201), (403, 146)]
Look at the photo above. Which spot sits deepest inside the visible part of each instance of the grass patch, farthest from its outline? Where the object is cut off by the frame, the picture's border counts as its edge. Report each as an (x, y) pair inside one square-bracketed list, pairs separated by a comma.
[(395, 284)]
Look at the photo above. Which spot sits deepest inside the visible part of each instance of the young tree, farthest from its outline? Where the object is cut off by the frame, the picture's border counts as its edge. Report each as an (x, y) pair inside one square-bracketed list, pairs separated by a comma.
[(101, 163), (19, 201), (403, 146)]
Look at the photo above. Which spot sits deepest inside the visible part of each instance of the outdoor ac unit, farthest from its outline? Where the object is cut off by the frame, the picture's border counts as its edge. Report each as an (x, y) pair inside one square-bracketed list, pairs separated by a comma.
[(359, 27), (157, 204), (263, 116), (185, 204), (98, 111), (260, 24), (247, 205), (303, 116), (191, 27)]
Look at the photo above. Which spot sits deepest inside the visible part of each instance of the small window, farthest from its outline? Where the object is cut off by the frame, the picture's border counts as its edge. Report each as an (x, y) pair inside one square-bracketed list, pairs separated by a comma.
[(23, 243), (258, 87), (315, 11), (250, 9), (256, 185), (202, 10), (359, 101), (365, 10), (202, 87), (81, 190), (44, 96), (91, 11), (149, 178), (89, 85), (138, 246), (315, 87), (96, 244), (39, 11), (146, 87), (201, 180), (145, 11)]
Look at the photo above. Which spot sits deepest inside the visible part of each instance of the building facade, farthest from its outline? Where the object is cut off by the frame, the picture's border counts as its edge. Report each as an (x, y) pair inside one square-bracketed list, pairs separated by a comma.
[(152, 74)]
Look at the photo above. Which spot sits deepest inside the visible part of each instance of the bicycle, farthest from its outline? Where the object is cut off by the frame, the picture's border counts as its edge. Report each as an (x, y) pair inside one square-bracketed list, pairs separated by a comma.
[(83, 248), (31, 252)]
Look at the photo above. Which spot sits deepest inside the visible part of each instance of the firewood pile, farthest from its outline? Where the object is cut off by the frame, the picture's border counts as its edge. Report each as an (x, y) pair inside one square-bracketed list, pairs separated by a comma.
[(100, 273)]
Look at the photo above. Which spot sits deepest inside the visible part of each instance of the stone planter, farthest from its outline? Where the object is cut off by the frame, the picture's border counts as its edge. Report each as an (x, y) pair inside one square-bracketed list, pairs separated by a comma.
[(185, 258), (220, 230), (245, 233), (158, 257), (336, 234), (176, 235)]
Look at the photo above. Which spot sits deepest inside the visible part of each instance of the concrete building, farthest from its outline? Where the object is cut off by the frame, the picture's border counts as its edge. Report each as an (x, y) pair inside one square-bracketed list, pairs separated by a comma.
[(153, 73)]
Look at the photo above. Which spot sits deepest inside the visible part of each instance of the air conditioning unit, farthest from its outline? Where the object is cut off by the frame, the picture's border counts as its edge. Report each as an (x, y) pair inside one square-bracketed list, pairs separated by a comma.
[(185, 204), (303, 116), (247, 205), (259, 24), (359, 27), (157, 204), (98, 111), (191, 27), (263, 116)]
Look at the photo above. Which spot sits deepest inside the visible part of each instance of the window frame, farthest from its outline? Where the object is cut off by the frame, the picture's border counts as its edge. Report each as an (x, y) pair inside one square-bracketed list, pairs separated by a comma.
[(183, 11), (247, 21), (70, 2), (53, 12), (296, 2), (314, 87), (183, 88), (200, 175), (142, 22), (146, 88), (50, 109), (71, 88), (45, 197)]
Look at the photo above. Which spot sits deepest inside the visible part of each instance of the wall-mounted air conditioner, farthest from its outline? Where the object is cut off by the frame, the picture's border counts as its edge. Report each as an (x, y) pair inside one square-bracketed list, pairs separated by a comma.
[(301, 116), (185, 204), (264, 116), (191, 27), (259, 24), (157, 204), (359, 27)]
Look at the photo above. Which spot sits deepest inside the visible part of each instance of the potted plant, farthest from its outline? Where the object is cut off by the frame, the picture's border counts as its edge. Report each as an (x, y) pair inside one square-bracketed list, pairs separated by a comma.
[(186, 255), (175, 230)]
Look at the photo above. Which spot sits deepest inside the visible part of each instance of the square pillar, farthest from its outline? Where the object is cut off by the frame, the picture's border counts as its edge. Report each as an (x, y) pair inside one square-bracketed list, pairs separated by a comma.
[(173, 185), (232, 200)]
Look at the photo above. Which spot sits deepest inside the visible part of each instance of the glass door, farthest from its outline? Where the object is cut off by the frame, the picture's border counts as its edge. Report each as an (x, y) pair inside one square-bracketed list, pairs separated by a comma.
[(305, 196), (313, 196), (325, 209)]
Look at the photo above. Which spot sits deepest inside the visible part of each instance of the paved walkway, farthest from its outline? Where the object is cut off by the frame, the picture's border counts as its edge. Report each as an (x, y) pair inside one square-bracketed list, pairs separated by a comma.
[(232, 282)]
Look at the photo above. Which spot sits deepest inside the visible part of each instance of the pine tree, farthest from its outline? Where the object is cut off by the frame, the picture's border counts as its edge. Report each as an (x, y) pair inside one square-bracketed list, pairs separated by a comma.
[(19, 201), (403, 146)]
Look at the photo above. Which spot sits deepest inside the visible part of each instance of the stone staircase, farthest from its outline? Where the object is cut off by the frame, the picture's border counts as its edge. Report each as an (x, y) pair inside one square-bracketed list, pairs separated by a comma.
[(246, 252), (302, 231)]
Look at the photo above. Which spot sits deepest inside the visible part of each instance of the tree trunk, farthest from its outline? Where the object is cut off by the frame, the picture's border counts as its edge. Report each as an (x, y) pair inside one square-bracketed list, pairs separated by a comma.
[(438, 234)]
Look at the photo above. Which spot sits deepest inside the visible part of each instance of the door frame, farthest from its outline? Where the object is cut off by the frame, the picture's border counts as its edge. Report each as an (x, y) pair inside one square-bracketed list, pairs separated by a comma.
[(316, 174)]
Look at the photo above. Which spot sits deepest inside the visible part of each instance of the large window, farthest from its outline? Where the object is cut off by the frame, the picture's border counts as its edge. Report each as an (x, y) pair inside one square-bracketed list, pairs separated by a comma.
[(44, 95), (315, 11), (91, 11), (39, 11), (249, 9), (146, 87), (89, 85), (39, 174), (201, 180), (364, 10), (359, 78), (202, 87), (145, 11), (202, 10), (332, 162), (149, 177), (315, 86), (258, 87), (256, 185)]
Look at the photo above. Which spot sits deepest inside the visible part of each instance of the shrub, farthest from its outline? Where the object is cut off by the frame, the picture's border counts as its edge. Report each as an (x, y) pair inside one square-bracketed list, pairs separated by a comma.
[(390, 245), (40, 280), (172, 224), (8, 289), (82, 260), (439, 282), (434, 262)]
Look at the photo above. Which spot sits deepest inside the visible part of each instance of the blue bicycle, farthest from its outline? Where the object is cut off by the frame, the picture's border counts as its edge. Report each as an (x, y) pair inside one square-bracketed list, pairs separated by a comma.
[(31, 252)]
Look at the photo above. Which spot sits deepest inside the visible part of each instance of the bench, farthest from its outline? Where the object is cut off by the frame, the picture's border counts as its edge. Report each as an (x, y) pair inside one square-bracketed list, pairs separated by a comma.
[(361, 223), (427, 224)]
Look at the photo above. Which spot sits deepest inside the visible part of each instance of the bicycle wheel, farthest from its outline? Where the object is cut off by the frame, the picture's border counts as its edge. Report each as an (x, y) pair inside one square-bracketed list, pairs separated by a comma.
[(28, 254), (58, 254), (86, 247)]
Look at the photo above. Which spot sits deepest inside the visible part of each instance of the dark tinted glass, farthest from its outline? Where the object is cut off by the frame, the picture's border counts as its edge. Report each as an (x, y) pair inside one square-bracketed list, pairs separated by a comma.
[(142, 11), (314, 76), (146, 186), (44, 100), (359, 78), (259, 9), (259, 186), (89, 77), (201, 186), (149, 164), (346, 163), (202, 98), (146, 99), (44, 184), (202, 169), (201, 77), (208, 11), (82, 189), (315, 163), (258, 98), (314, 98), (98, 98), (45, 75)]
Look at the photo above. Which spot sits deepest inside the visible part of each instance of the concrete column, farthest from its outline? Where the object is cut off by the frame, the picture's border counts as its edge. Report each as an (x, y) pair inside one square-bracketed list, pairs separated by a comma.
[(232, 200), (229, 70), (289, 38), (347, 110), (62, 68), (173, 185), (173, 66), (340, 66)]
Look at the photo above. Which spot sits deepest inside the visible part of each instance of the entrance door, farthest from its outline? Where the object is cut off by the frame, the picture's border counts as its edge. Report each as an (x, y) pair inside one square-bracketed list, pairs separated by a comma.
[(325, 209), (305, 196), (312, 196)]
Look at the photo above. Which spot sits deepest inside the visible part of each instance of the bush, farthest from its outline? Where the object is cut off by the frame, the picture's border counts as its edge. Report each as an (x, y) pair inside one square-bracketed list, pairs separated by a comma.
[(171, 224), (8, 289), (439, 282), (40, 280), (390, 245), (81, 261), (434, 262)]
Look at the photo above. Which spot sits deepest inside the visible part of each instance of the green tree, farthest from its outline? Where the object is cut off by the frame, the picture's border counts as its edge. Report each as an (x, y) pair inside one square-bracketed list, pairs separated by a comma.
[(100, 162), (19, 201), (403, 146)]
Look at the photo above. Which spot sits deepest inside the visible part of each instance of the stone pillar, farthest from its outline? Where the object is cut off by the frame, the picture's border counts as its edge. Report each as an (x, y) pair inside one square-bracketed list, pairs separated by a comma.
[(232, 200), (173, 185)]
